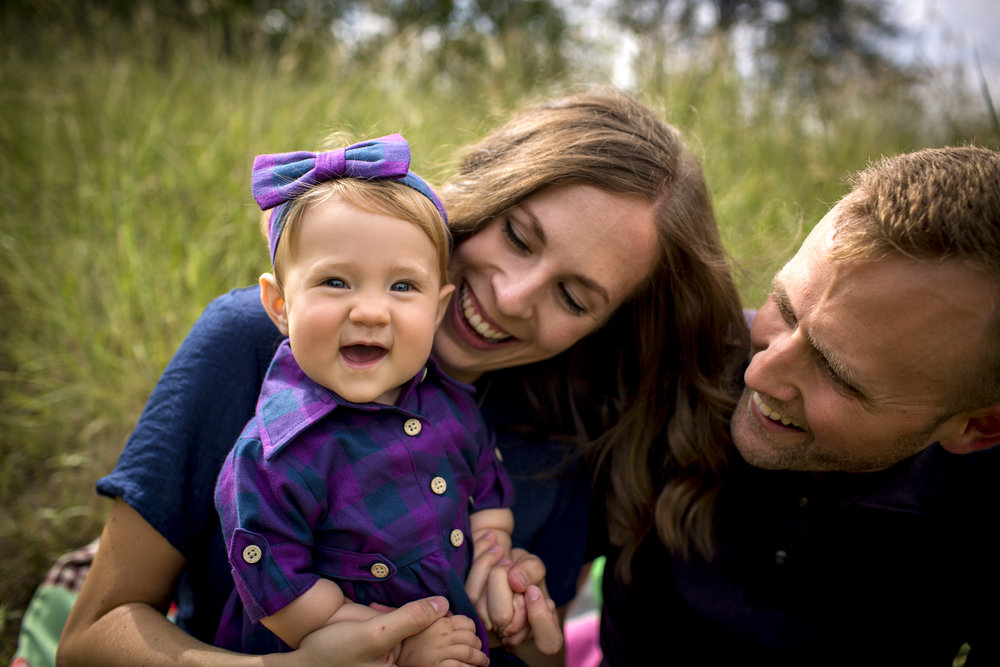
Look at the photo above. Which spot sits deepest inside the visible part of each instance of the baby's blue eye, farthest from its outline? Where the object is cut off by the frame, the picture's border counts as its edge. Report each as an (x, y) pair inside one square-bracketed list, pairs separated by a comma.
[(336, 282), (401, 286)]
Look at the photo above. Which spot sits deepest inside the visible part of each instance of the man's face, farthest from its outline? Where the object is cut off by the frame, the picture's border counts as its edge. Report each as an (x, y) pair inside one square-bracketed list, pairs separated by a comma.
[(855, 364)]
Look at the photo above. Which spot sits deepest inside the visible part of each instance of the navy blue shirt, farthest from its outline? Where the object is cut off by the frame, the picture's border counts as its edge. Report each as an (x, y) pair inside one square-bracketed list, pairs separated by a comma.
[(897, 567), (208, 392)]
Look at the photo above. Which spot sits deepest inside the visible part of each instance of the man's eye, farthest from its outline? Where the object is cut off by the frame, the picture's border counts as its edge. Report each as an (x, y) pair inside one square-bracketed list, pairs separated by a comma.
[(786, 313)]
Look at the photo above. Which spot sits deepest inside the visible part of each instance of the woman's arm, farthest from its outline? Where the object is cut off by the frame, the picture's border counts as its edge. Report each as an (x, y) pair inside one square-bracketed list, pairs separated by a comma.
[(118, 618)]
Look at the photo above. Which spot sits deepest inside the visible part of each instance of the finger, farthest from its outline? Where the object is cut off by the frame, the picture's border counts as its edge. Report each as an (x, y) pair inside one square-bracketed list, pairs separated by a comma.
[(475, 581), (483, 541), (465, 656), (499, 598), (543, 620), (517, 630), (527, 570), (461, 623), (410, 619)]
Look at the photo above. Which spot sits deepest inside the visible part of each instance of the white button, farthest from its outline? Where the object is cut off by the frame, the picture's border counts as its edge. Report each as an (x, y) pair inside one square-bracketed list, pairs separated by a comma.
[(439, 485), (496, 452), (457, 538), (380, 570), (252, 554), (412, 427)]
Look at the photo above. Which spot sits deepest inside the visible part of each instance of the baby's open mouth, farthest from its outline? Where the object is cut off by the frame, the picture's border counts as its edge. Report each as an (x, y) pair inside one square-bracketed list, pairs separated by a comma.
[(362, 355)]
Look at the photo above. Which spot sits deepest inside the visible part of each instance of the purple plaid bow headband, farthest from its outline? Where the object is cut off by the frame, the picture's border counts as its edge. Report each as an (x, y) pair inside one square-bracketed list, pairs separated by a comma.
[(278, 179)]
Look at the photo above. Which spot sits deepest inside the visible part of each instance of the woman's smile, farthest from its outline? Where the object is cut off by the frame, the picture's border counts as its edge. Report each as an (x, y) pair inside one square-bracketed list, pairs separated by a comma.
[(471, 314)]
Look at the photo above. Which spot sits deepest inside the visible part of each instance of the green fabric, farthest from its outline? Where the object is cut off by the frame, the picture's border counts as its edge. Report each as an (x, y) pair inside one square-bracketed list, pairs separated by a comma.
[(41, 626)]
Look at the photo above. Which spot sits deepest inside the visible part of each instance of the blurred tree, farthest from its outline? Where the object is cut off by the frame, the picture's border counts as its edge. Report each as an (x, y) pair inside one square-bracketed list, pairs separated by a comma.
[(523, 37), (807, 40)]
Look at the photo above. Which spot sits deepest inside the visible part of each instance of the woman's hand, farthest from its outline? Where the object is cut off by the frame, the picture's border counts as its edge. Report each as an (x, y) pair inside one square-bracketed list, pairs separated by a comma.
[(510, 596)]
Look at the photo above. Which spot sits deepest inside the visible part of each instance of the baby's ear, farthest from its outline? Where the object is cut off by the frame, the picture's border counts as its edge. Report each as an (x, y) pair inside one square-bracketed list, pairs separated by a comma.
[(274, 301), (444, 296), (982, 430)]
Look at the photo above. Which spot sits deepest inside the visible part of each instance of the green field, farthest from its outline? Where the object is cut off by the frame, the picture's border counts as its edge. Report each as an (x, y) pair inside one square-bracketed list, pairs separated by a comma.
[(125, 207)]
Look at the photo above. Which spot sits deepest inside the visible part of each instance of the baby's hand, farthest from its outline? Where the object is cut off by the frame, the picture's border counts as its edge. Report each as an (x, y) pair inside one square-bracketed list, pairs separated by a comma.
[(509, 593), (450, 642)]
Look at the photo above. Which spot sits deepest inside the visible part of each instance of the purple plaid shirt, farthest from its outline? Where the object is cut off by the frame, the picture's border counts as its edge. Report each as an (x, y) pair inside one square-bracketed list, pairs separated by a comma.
[(374, 497)]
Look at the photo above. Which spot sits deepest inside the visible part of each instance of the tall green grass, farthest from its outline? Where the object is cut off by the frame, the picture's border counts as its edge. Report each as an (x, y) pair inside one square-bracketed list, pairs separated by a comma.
[(125, 208)]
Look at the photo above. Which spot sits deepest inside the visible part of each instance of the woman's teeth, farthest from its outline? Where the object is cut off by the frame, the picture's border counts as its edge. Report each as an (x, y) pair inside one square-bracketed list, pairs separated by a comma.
[(476, 322), (771, 413)]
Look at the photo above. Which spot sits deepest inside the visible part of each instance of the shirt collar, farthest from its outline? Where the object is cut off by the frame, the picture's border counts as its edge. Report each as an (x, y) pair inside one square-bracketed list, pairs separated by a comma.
[(290, 401)]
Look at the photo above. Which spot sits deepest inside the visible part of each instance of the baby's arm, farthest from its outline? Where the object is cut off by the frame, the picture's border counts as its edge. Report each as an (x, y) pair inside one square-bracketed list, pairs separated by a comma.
[(324, 603), (499, 520)]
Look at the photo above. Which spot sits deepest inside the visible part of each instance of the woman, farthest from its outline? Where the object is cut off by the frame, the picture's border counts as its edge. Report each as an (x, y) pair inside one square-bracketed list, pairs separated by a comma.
[(593, 303)]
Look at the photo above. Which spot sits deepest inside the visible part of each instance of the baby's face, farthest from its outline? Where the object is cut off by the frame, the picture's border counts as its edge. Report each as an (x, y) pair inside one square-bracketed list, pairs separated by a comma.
[(363, 297)]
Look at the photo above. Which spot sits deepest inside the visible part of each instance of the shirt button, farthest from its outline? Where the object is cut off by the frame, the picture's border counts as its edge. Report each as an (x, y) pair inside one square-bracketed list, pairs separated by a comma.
[(412, 427), (457, 538), (780, 556), (380, 570), (496, 452), (251, 554), (439, 485)]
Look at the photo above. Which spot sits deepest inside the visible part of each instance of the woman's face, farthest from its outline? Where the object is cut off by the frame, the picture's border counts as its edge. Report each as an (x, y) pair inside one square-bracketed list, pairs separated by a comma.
[(536, 280)]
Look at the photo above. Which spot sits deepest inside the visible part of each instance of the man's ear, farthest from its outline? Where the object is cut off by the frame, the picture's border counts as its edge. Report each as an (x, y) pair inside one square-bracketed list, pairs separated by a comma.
[(982, 430), (274, 301), (444, 296)]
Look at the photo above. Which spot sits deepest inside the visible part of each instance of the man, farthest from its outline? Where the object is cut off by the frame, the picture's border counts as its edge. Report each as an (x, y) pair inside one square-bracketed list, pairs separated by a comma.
[(857, 524)]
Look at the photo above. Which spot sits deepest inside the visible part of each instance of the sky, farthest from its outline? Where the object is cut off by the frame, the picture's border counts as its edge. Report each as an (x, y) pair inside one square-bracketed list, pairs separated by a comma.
[(950, 32)]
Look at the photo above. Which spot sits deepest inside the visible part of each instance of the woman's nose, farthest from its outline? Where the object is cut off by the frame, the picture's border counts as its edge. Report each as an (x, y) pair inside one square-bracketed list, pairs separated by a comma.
[(517, 292)]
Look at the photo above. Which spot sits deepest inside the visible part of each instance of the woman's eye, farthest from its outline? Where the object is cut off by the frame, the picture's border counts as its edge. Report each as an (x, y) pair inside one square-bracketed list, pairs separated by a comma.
[(513, 237), (336, 283), (574, 306), (401, 286)]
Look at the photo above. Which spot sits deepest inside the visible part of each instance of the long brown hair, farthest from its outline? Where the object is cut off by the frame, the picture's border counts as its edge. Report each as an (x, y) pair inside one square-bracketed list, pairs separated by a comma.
[(652, 390)]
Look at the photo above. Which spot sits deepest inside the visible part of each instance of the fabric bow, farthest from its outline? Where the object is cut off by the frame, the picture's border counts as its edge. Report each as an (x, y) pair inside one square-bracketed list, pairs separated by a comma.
[(280, 178)]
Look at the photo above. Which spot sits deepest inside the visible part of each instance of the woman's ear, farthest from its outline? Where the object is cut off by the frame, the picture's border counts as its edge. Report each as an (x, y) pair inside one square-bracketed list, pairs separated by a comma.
[(443, 297), (982, 430), (274, 301)]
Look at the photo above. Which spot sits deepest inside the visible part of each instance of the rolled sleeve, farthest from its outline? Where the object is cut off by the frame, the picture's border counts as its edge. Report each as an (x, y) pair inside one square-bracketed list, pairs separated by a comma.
[(493, 485), (268, 540)]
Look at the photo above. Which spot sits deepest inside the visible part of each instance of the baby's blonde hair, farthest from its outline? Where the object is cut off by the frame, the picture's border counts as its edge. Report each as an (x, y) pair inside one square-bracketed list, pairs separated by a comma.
[(383, 196)]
